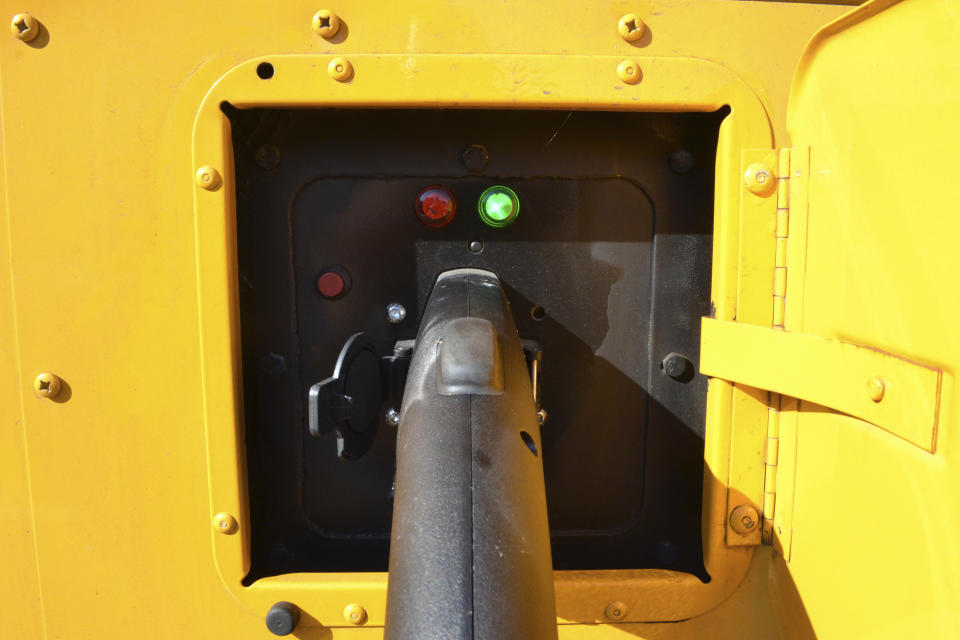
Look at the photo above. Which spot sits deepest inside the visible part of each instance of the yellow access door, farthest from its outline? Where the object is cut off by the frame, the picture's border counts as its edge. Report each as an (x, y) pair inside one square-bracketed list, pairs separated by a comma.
[(862, 492)]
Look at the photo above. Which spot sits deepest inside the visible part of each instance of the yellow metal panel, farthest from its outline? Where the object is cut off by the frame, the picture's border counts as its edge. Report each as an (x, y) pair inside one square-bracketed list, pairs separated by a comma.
[(97, 114), (876, 99), (828, 372)]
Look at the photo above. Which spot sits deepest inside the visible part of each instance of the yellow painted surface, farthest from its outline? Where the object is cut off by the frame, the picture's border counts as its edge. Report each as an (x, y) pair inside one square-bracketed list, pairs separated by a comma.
[(118, 272)]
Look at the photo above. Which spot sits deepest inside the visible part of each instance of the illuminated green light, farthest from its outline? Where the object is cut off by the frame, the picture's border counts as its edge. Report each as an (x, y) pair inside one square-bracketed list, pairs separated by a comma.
[(498, 206)]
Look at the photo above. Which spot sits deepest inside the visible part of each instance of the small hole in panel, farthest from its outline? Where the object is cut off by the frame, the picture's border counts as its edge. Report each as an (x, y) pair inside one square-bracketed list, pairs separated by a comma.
[(528, 440), (265, 70), (538, 313)]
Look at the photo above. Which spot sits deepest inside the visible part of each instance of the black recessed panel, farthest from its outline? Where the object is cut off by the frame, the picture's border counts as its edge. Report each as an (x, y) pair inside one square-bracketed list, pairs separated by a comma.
[(607, 267)]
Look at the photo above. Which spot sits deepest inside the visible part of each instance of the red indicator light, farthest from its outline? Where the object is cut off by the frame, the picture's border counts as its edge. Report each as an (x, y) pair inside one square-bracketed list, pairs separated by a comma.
[(436, 206), (333, 282)]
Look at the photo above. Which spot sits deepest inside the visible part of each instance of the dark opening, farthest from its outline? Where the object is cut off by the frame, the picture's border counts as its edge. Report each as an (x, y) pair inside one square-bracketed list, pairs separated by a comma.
[(265, 70)]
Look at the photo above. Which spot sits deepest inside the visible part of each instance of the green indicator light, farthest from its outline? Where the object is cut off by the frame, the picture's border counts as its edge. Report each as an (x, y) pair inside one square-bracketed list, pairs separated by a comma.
[(498, 206)]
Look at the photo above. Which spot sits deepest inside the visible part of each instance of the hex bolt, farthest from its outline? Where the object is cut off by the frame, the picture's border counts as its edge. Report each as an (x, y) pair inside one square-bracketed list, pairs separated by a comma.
[(340, 69), (631, 28), (629, 71), (208, 178), (744, 519), (283, 618), (678, 367), (542, 416), (225, 523), (268, 157), (24, 27), (355, 614), (326, 23), (876, 388), (475, 158), (393, 417), (760, 180), (616, 611), (681, 161), (475, 246), (396, 313), (46, 385)]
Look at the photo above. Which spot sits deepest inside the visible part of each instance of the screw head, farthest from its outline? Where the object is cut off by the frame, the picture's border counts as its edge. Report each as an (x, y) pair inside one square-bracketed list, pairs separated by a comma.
[(326, 23), (393, 417), (631, 28), (876, 388), (46, 385), (616, 611), (340, 69), (475, 246), (396, 313), (760, 180), (268, 156), (629, 71), (355, 614), (24, 27), (208, 178), (475, 158), (225, 523), (744, 519)]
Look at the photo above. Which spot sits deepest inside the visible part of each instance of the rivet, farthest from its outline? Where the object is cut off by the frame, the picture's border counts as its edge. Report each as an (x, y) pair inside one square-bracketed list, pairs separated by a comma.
[(46, 385), (355, 614), (744, 519), (475, 246), (616, 611), (396, 313), (631, 28), (876, 388), (25, 27), (208, 178), (225, 523), (326, 23), (393, 417), (340, 69), (759, 179), (629, 71)]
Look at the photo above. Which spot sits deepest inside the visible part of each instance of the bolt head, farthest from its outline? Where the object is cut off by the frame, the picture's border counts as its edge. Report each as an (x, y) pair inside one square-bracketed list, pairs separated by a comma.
[(282, 618), (268, 157), (326, 23), (24, 27), (681, 161), (393, 417), (876, 388), (225, 523), (760, 179), (631, 28), (355, 614), (340, 69), (744, 519), (678, 367), (396, 313), (475, 158), (542, 416), (616, 611), (629, 71), (46, 385), (208, 178)]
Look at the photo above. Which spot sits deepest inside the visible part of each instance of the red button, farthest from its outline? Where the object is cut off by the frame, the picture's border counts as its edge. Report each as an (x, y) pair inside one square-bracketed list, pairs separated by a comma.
[(436, 206), (330, 284)]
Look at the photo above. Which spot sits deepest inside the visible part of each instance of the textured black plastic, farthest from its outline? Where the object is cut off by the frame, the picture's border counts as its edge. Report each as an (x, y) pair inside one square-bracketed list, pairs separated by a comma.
[(470, 547)]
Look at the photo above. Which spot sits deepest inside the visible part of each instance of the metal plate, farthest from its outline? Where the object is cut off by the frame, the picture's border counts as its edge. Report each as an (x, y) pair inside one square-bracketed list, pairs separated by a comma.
[(611, 243)]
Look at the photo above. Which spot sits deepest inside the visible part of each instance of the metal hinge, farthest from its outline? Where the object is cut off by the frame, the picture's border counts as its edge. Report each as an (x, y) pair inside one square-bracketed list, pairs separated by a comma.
[(772, 448)]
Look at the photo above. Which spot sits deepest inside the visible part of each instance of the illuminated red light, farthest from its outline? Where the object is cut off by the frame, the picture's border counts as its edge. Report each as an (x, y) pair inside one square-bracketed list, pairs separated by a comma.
[(436, 206)]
